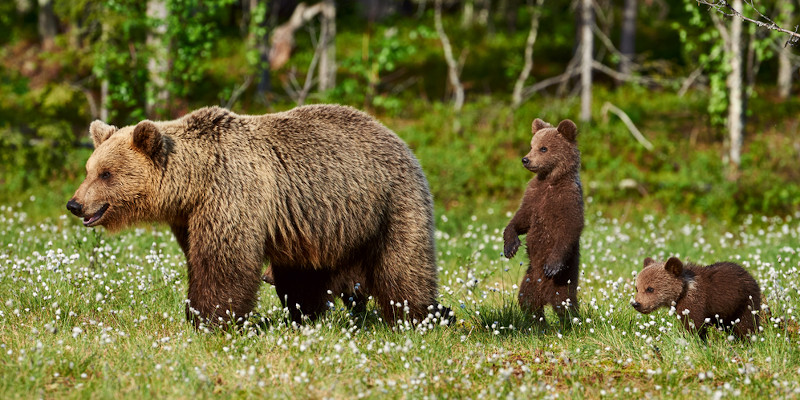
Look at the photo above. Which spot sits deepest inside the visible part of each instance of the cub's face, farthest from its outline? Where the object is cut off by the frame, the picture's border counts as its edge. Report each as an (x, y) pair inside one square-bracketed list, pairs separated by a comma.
[(658, 285), (119, 177), (551, 148)]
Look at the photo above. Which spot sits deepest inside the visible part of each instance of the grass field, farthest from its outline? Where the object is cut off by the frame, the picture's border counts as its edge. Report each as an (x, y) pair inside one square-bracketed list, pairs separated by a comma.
[(85, 314)]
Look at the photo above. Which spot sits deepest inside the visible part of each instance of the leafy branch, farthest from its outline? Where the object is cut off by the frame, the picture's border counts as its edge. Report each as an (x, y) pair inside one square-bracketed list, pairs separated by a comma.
[(724, 8)]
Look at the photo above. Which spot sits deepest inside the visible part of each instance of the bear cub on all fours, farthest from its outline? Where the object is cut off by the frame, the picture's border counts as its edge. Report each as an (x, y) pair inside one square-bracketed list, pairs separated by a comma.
[(722, 294), (551, 214)]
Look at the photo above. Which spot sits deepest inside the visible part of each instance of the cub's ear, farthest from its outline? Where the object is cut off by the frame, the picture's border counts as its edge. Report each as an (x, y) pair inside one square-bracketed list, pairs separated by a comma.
[(147, 138), (100, 131), (538, 125), (648, 261), (674, 266), (568, 129)]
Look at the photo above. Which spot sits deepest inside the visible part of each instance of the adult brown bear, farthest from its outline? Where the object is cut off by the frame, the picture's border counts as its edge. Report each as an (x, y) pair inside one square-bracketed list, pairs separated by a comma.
[(323, 192)]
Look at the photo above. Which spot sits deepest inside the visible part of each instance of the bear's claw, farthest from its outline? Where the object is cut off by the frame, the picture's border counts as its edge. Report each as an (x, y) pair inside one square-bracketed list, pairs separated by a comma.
[(551, 270), (510, 249)]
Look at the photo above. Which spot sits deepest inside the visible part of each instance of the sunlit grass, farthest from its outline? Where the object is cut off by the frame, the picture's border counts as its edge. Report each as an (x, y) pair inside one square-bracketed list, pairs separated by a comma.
[(88, 314)]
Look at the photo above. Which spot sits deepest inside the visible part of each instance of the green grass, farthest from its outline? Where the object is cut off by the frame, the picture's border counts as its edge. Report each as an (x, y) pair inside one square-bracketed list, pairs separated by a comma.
[(86, 314)]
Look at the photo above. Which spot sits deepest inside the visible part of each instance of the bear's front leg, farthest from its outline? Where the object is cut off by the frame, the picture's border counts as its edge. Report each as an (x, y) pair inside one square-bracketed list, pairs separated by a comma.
[(519, 225), (224, 275), (511, 242)]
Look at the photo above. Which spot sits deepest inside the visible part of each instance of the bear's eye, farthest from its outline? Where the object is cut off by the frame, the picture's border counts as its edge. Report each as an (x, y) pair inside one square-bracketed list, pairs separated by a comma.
[(543, 149), (105, 175), (649, 290)]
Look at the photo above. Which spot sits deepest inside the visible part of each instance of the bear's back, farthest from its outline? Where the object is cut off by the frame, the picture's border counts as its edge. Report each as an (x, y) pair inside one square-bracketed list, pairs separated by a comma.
[(727, 288)]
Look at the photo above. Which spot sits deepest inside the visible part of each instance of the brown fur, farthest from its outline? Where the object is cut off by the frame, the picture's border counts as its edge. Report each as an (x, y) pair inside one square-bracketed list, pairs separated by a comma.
[(324, 192), (551, 214), (724, 293)]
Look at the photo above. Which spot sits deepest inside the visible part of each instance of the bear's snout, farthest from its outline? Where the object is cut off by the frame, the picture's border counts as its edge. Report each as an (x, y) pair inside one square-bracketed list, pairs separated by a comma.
[(75, 207), (525, 161), (636, 305)]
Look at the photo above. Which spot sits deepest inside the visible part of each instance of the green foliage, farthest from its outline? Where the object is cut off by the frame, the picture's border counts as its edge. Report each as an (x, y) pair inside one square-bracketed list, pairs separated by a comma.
[(192, 28), (36, 136)]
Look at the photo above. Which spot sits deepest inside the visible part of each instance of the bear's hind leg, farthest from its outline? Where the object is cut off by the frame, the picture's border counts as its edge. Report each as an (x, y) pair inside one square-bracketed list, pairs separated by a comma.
[(531, 298), (746, 325), (404, 278), (303, 291)]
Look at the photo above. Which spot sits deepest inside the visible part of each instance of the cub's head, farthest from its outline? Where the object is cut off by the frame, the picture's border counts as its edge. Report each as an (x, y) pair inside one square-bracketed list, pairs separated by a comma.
[(121, 175), (658, 285), (554, 151)]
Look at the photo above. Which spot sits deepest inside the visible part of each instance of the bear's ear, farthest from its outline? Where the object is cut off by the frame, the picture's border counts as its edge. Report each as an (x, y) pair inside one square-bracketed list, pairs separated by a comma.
[(648, 261), (674, 266), (538, 125), (147, 138), (568, 129), (100, 131)]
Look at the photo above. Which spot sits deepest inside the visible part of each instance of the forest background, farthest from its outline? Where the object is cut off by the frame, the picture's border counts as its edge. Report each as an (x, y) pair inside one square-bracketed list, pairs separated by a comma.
[(680, 108)]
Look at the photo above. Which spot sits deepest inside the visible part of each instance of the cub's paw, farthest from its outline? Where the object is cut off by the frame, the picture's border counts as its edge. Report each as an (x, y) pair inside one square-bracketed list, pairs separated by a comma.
[(551, 270), (511, 247)]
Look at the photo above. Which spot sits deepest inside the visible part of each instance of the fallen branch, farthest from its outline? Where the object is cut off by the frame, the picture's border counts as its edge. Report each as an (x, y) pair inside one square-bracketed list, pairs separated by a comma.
[(628, 123), (283, 36), (545, 83), (238, 92)]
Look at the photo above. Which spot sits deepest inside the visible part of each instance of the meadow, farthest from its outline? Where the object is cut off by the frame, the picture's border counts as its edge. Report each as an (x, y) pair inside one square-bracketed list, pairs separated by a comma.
[(87, 314)]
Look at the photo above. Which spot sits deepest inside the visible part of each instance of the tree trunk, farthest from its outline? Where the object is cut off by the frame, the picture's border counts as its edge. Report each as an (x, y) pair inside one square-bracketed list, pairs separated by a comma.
[(734, 83), (785, 67), (327, 60), (258, 15), (627, 46), (104, 100), (452, 66), (157, 65), (47, 23), (587, 20), (516, 96), (469, 14)]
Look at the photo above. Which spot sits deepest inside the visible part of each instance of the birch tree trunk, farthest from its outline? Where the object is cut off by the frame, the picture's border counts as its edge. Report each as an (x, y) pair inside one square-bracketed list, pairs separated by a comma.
[(327, 59), (47, 23), (157, 65), (452, 65), (734, 83), (516, 96), (587, 20), (627, 46), (785, 67)]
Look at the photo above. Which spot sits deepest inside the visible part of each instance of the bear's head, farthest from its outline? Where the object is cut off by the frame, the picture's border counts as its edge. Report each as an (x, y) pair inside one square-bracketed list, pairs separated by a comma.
[(554, 151), (121, 175), (658, 285)]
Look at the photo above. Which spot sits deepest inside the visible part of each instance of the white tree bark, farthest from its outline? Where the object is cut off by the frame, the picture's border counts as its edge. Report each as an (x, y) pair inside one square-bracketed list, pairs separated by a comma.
[(158, 64), (104, 100), (734, 83), (516, 97), (785, 67), (587, 20), (327, 60), (452, 66)]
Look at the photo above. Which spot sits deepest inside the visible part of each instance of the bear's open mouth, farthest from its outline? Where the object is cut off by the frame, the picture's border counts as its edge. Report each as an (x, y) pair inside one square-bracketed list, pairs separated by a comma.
[(89, 221)]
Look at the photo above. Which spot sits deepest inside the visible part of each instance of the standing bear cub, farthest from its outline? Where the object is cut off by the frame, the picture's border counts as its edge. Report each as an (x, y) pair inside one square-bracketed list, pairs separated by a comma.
[(551, 214), (721, 294), (323, 192)]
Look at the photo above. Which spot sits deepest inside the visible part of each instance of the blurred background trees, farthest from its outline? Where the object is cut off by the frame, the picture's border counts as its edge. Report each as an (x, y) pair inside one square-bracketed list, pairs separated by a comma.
[(703, 106)]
